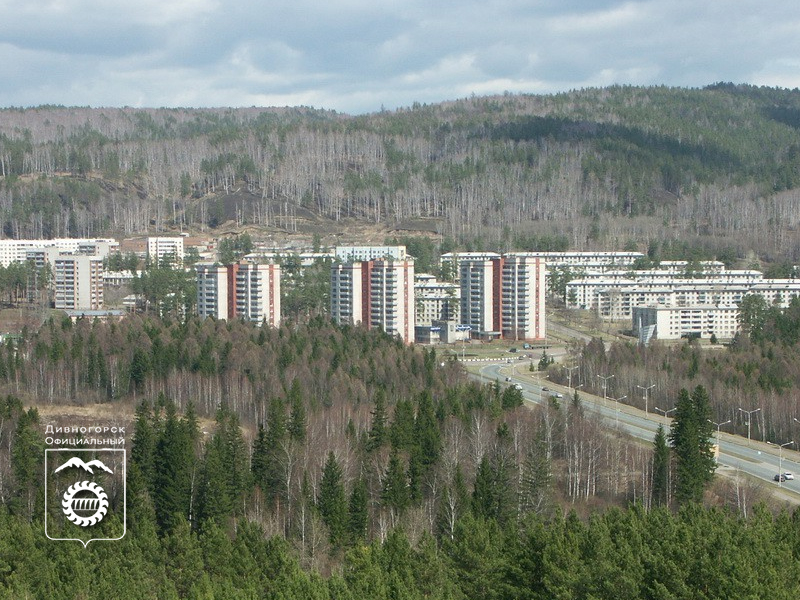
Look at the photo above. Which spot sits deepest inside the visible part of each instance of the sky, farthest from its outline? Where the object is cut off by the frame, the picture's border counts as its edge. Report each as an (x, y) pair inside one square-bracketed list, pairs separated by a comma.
[(362, 56)]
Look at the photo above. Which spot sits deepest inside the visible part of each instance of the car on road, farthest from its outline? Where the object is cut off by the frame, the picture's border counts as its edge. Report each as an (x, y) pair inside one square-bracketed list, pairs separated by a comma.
[(780, 477), (518, 387), (508, 378), (788, 475), (545, 389)]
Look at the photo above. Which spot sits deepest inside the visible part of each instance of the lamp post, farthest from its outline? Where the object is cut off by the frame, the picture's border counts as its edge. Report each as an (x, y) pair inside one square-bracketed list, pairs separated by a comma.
[(666, 412), (569, 373), (718, 425), (605, 379), (616, 410), (644, 393), (780, 460), (749, 414)]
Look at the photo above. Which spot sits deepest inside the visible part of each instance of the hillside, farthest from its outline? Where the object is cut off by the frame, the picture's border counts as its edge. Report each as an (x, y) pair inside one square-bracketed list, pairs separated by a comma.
[(719, 166)]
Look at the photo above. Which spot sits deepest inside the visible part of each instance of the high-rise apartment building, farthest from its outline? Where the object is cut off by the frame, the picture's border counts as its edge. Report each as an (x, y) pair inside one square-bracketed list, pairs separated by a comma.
[(502, 296), (523, 297), (78, 282), (376, 293), (242, 290)]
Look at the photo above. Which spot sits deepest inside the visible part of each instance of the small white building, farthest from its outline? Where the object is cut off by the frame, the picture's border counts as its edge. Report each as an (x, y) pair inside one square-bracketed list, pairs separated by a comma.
[(160, 247)]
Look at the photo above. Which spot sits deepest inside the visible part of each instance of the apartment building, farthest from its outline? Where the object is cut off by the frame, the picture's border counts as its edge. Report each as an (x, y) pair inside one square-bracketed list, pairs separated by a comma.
[(481, 292), (523, 297), (160, 247), (366, 253), (248, 291), (17, 250), (675, 322), (212, 290), (376, 293), (78, 282), (257, 292), (436, 301), (502, 295)]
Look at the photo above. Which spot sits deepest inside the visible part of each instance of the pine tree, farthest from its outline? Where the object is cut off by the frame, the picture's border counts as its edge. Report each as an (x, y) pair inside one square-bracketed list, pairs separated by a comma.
[(690, 436), (660, 487)]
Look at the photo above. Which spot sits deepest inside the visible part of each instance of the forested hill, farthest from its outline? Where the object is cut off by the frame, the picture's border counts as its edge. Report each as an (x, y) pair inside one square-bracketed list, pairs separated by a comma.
[(602, 166)]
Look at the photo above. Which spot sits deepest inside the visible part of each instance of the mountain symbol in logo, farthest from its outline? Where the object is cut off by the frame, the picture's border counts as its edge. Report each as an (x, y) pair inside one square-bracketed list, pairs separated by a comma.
[(77, 462)]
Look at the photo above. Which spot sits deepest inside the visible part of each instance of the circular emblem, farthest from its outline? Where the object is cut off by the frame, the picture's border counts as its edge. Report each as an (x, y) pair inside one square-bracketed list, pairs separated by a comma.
[(85, 503)]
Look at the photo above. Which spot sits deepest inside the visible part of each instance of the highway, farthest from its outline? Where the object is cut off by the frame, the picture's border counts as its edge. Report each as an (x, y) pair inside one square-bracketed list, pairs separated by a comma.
[(737, 454)]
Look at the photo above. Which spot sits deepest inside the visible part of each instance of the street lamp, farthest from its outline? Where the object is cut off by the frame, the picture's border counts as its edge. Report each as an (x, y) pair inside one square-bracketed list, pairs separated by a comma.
[(666, 412), (780, 460), (749, 413), (616, 410), (605, 379), (569, 373), (644, 393), (718, 425)]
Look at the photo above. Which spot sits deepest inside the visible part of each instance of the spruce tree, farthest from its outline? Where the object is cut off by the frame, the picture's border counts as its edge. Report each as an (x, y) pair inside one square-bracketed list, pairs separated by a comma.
[(690, 436), (331, 502), (377, 432), (358, 513), (660, 468), (395, 494)]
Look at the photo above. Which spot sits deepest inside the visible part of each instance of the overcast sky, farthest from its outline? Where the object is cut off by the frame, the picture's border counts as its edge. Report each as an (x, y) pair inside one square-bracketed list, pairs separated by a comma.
[(358, 56)]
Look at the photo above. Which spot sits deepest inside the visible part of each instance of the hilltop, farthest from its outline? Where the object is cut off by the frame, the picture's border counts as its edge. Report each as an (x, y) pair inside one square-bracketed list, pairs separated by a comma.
[(619, 166)]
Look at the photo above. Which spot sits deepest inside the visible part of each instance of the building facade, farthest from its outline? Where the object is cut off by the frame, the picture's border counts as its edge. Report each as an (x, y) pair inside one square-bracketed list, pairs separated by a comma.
[(78, 282), (247, 291), (160, 247), (376, 293)]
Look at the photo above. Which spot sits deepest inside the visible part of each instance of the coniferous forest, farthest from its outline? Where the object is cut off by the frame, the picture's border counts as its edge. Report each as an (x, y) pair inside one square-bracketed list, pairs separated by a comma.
[(314, 461)]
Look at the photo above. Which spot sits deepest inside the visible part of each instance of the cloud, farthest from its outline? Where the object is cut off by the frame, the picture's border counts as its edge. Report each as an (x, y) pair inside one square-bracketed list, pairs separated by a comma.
[(358, 55)]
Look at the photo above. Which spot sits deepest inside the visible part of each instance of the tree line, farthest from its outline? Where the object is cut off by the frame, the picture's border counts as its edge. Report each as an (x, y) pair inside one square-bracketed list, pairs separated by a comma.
[(608, 165)]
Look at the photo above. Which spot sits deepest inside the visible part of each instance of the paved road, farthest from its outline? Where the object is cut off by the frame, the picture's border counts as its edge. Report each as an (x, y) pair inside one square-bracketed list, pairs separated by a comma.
[(737, 454)]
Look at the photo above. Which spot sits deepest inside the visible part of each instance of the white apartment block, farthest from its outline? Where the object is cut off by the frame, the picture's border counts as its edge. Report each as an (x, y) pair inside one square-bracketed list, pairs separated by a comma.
[(212, 290), (367, 253), (480, 292), (523, 297), (160, 247), (777, 291), (242, 290), (78, 282), (598, 260), (436, 301), (675, 322), (17, 250), (376, 293)]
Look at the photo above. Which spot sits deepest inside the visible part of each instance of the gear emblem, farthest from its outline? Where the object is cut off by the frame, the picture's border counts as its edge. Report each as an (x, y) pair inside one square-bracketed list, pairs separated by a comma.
[(85, 503)]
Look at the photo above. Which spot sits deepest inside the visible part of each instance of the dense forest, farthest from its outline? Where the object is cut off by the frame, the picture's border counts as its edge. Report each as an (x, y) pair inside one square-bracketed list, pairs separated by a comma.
[(604, 167), (320, 461)]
